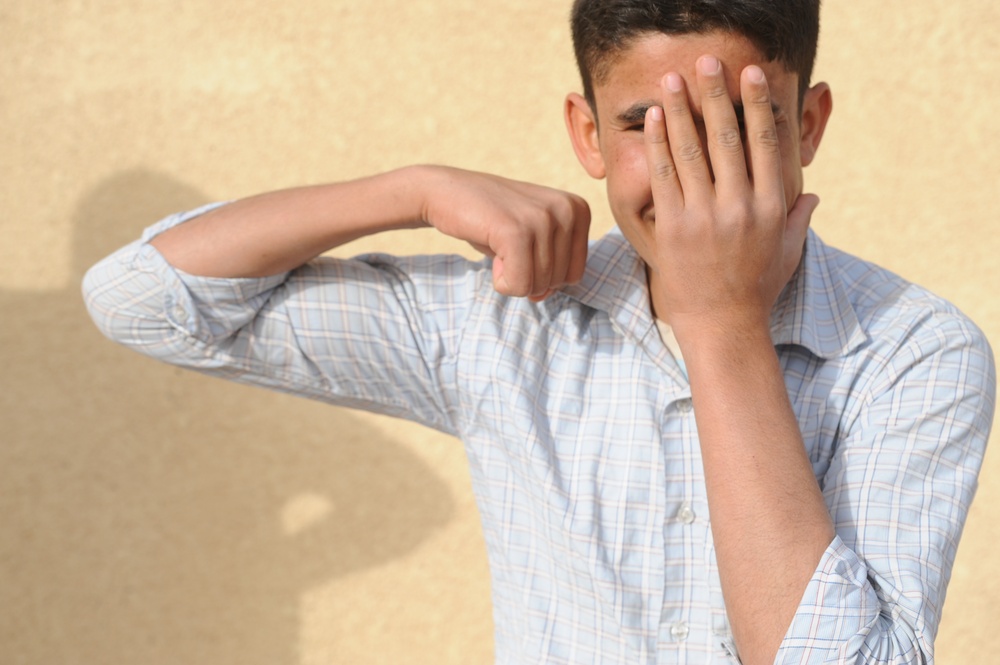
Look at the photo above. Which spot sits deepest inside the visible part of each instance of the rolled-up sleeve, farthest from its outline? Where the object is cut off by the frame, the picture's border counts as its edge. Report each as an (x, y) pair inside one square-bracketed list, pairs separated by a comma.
[(139, 300), (899, 490), (376, 332)]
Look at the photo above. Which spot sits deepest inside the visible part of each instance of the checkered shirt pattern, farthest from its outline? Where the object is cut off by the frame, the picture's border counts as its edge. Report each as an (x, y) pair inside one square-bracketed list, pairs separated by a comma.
[(581, 438)]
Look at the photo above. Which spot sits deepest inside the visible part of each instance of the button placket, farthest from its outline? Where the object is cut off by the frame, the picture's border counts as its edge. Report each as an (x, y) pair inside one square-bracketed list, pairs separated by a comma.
[(685, 514), (679, 631)]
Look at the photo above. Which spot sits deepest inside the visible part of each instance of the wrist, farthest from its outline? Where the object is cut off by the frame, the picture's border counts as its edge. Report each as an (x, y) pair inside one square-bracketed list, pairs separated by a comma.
[(412, 186), (721, 336)]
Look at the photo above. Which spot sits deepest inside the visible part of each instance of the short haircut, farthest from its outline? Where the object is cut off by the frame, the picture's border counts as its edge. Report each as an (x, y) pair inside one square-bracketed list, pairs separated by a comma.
[(785, 31)]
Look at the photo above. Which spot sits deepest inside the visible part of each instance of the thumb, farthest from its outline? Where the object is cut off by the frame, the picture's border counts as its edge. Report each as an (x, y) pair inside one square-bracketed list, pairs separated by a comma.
[(798, 221), (499, 279)]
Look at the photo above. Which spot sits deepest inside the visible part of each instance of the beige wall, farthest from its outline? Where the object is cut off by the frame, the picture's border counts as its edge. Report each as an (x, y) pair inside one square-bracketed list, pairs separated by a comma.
[(153, 516)]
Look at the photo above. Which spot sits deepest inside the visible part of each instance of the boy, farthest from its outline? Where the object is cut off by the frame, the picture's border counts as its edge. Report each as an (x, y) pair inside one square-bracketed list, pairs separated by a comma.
[(712, 359)]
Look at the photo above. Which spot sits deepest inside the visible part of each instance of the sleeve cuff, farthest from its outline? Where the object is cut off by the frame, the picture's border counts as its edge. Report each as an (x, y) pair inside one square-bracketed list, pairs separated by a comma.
[(137, 298), (176, 219), (840, 614), (204, 307)]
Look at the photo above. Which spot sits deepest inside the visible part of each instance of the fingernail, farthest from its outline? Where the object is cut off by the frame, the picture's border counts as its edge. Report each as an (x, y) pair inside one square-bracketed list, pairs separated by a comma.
[(656, 114), (755, 74), (674, 82), (709, 64)]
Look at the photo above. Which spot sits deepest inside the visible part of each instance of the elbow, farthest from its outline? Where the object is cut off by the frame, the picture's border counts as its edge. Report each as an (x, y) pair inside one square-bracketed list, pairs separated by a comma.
[(126, 305), (99, 304)]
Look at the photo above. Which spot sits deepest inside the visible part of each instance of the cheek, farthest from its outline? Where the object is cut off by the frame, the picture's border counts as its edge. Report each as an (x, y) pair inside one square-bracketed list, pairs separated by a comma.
[(628, 175), (791, 165), (791, 176)]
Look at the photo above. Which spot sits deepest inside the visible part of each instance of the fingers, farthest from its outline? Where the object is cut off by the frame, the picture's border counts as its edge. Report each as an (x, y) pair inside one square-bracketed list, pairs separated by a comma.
[(722, 129), (569, 251), (545, 251), (797, 225), (684, 141), (514, 263), (796, 228), (738, 158), (761, 135), (524, 265), (537, 236), (662, 171), (578, 242), (568, 248), (563, 246)]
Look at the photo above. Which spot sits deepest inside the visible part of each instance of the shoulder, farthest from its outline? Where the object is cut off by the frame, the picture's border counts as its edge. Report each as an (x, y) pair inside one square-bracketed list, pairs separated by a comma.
[(429, 281), (888, 305), (442, 284), (908, 330)]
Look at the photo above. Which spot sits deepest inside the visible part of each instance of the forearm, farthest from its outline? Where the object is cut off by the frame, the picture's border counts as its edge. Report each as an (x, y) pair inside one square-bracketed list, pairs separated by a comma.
[(769, 521), (275, 232)]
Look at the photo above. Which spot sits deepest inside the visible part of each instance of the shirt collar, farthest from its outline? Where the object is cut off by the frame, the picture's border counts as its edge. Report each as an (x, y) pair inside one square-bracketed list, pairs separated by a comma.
[(614, 282), (812, 311)]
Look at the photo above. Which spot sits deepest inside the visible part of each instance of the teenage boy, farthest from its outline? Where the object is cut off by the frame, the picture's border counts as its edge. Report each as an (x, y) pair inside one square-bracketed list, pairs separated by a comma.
[(715, 436)]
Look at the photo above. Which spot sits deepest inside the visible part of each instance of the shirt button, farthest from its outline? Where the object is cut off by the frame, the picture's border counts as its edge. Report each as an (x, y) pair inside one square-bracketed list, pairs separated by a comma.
[(680, 631), (180, 312), (684, 406), (685, 514)]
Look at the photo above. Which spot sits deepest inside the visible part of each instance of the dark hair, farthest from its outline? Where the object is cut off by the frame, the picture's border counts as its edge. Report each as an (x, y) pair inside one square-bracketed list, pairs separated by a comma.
[(783, 30)]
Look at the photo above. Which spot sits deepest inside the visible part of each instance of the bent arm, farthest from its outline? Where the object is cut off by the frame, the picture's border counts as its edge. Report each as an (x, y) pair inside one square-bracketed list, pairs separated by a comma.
[(272, 233), (852, 569), (231, 290), (769, 522), (898, 490), (537, 235), (355, 333)]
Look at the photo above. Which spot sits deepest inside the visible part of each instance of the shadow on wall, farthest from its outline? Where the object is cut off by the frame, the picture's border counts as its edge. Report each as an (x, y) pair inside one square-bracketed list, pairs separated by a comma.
[(153, 515)]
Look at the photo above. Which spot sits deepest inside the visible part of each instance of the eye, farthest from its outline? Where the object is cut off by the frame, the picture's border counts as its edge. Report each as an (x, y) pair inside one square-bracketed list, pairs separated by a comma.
[(638, 127)]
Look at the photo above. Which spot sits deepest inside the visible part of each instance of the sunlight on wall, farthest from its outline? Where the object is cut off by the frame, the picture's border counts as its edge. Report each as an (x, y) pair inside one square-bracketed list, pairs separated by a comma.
[(303, 511)]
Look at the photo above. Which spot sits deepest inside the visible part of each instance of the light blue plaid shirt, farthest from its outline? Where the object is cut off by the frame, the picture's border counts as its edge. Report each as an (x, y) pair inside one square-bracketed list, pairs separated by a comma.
[(581, 438)]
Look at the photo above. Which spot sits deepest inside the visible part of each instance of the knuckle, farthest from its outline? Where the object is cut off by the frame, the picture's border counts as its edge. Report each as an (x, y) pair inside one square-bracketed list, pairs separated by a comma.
[(510, 233), (534, 219), (678, 110), (569, 209), (516, 286), (581, 210), (773, 210), (563, 227), (766, 138), (691, 151), (729, 139), (663, 169), (555, 213), (760, 96), (715, 92), (545, 266), (656, 138), (739, 216)]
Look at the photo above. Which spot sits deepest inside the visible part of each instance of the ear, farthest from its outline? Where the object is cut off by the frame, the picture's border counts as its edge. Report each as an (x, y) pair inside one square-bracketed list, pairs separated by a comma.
[(582, 126), (816, 108)]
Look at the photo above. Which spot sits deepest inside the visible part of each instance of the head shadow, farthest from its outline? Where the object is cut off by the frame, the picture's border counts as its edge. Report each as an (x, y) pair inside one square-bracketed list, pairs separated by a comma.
[(176, 517)]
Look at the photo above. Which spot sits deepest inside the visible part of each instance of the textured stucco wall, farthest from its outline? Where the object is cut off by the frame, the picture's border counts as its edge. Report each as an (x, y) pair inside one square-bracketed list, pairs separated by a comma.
[(153, 516)]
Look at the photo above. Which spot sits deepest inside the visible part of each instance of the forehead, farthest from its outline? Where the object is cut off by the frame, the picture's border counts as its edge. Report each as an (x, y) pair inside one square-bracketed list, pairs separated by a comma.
[(633, 75)]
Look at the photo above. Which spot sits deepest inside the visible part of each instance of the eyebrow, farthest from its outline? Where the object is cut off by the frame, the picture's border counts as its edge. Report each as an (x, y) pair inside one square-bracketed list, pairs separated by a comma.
[(636, 114)]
